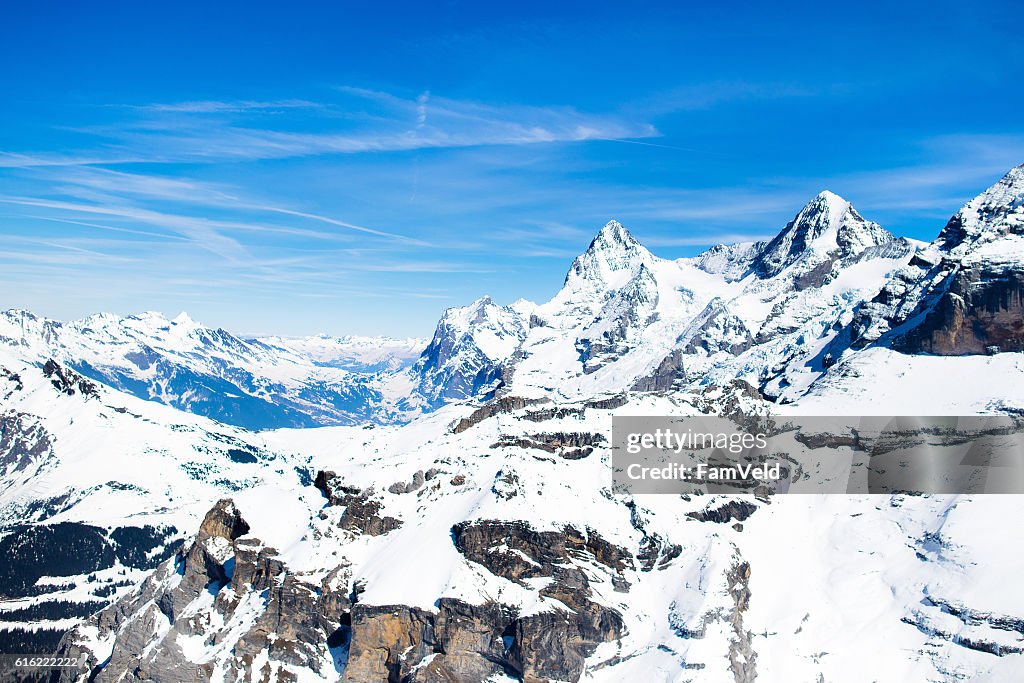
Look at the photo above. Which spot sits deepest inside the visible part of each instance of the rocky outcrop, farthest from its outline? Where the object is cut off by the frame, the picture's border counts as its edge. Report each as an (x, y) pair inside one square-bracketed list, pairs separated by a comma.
[(463, 642), (669, 371), (227, 590), (742, 657), (68, 381), (514, 550), (499, 406), (400, 487), (399, 644), (256, 620), (994, 634), (362, 515), (738, 510), (568, 445), (655, 551), (552, 644), (362, 506)]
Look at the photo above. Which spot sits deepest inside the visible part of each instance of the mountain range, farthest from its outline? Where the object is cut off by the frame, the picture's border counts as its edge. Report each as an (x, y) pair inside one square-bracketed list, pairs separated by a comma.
[(181, 503)]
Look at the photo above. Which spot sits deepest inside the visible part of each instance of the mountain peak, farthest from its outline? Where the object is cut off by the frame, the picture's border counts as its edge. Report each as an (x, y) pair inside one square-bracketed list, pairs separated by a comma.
[(826, 204), (613, 234), (826, 224), (609, 261)]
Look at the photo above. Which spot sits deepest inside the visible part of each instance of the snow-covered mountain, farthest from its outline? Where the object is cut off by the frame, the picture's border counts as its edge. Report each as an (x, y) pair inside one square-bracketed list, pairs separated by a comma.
[(761, 313), (472, 532), (469, 347)]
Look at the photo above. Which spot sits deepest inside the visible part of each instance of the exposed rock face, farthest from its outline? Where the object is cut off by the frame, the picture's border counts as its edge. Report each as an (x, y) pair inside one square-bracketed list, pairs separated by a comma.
[(24, 442), (460, 642), (742, 657), (669, 371), (400, 487), (568, 445), (654, 550), (932, 618), (223, 521), (963, 295), (738, 510), (516, 551), (551, 644), (256, 620), (981, 312), (498, 406), (362, 514)]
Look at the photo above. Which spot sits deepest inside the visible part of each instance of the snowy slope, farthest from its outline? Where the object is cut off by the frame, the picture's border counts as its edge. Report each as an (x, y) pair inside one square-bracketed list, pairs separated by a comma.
[(798, 590)]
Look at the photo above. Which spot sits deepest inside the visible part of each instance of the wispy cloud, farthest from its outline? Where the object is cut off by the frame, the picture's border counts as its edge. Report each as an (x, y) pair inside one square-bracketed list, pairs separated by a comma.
[(698, 96), (13, 160), (230, 106), (203, 232), (120, 184), (111, 228), (210, 130), (949, 171), (419, 267)]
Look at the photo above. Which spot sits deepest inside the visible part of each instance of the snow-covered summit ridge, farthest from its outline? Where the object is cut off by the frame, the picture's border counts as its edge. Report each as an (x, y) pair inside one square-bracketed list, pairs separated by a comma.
[(996, 212), (827, 224), (611, 259)]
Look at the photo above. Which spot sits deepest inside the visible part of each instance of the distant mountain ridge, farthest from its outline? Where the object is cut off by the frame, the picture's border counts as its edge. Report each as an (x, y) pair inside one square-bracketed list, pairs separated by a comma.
[(257, 383)]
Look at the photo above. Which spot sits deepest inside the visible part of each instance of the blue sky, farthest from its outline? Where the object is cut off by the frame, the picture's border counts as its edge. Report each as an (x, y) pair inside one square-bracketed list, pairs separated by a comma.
[(342, 169)]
